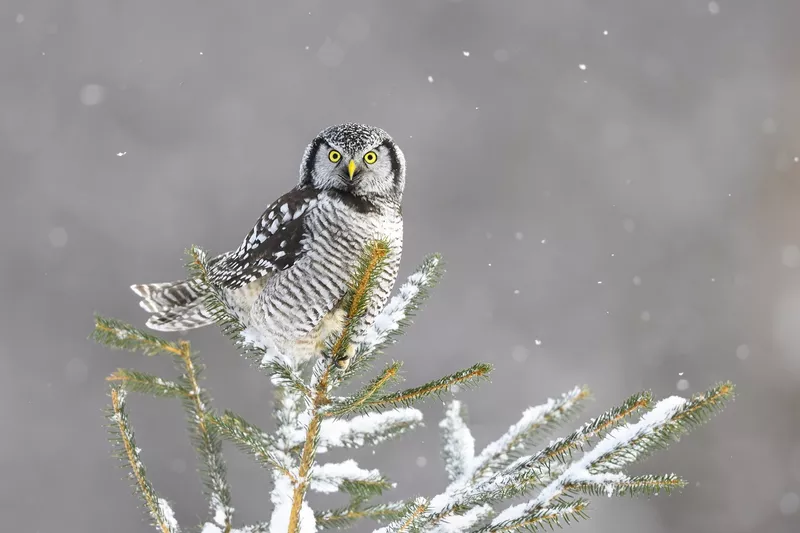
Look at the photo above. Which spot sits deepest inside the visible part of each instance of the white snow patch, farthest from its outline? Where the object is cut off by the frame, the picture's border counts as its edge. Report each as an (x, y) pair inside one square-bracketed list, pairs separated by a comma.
[(388, 320), (461, 523), (579, 471), (329, 477), (168, 514), (281, 498), (356, 431), (459, 444), (530, 417)]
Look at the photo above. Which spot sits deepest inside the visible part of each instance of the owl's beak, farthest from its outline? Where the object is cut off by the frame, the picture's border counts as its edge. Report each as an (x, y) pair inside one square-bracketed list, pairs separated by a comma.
[(351, 168)]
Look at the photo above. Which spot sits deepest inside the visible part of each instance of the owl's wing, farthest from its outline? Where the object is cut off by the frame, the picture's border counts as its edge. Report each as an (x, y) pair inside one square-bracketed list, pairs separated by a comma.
[(274, 243)]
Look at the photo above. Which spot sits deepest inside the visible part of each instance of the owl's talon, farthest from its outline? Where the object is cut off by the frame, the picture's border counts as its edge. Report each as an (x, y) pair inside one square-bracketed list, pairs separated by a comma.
[(344, 361)]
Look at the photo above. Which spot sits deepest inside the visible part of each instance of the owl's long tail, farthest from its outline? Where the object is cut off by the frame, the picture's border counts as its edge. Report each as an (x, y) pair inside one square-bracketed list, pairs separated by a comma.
[(175, 306)]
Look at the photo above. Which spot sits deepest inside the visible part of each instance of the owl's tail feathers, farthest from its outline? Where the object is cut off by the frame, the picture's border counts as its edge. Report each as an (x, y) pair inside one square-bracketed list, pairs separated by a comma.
[(175, 306)]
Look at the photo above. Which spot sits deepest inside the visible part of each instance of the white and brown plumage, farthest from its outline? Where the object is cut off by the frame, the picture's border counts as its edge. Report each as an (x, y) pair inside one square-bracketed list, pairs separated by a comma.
[(288, 277)]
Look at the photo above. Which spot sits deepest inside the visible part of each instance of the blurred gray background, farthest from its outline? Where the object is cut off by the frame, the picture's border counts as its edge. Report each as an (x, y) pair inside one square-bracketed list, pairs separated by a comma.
[(615, 187)]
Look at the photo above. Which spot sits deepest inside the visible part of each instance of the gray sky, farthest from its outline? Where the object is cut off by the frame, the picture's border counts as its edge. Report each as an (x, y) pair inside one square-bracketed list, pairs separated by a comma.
[(629, 224)]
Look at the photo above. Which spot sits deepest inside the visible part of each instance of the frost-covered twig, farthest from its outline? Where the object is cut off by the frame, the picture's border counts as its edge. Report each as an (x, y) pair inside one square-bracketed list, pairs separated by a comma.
[(463, 378), (348, 477), (458, 444), (371, 428), (312, 416), (468, 488), (410, 520), (401, 308), (134, 381), (196, 403), (205, 438), (159, 509), (121, 336), (343, 518), (534, 420)]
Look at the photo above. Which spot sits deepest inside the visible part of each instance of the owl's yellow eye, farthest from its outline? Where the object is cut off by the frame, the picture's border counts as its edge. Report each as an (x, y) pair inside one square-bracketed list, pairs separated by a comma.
[(334, 156), (370, 157)]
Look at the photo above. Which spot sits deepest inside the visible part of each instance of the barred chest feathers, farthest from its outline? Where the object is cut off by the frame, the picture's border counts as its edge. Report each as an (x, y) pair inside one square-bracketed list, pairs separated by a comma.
[(299, 308)]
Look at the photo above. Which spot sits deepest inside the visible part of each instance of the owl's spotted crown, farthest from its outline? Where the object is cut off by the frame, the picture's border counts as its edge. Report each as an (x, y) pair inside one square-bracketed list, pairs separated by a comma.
[(352, 137)]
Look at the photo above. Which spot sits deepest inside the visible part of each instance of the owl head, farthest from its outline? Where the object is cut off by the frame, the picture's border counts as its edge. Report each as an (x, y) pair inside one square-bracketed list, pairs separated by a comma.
[(355, 159)]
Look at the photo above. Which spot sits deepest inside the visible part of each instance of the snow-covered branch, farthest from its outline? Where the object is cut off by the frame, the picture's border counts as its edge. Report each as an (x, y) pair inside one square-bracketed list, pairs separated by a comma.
[(313, 415), (158, 508)]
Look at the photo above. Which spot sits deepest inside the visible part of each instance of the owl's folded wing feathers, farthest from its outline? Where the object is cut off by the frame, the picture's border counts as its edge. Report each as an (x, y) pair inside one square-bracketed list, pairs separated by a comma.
[(275, 243)]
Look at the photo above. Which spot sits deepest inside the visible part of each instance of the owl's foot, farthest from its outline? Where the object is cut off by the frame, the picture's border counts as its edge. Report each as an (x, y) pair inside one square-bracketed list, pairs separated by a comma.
[(344, 361)]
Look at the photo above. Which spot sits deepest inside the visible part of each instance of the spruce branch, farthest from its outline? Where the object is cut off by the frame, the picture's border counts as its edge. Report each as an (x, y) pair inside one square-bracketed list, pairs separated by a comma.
[(610, 485), (538, 469), (462, 378), (347, 477), (284, 376), (134, 381), (410, 520), (458, 444), (348, 516), (557, 515), (118, 335), (397, 314), (321, 377), (599, 467), (122, 436), (370, 266), (535, 419), (688, 415), (205, 437), (368, 429), (311, 420), (366, 393), (402, 307), (252, 441)]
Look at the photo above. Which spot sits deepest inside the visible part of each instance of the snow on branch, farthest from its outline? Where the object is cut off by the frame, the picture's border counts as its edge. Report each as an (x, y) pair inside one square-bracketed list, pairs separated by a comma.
[(458, 444), (347, 477), (401, 308), (371, 428), (533, 420), (344, 518), (121, 336), (597, 471), (134, 381), (313, 415), (410, 520), (122, 436)]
